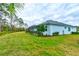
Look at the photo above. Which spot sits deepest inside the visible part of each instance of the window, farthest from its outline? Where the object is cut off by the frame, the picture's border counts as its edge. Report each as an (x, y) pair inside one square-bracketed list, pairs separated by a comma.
[(69, 29)]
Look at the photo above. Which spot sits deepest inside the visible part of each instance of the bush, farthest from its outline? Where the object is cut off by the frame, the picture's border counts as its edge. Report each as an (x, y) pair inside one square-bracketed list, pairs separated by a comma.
[(56, 33), (75, 32), (6, 28), (15, 29), (39, 33), (3, 33)]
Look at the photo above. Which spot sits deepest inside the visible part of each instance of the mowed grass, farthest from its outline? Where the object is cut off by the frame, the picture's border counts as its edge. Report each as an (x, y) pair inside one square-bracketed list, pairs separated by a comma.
[(25, 44)]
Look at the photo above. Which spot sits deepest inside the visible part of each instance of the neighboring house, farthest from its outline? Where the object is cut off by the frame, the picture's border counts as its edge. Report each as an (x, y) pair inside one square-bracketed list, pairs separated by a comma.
[(54, 26)]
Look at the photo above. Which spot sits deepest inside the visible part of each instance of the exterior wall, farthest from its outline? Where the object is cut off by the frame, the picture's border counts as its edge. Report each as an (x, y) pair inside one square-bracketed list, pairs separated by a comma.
[(53, 28), (74, 29), (61, 29), (34, 29)]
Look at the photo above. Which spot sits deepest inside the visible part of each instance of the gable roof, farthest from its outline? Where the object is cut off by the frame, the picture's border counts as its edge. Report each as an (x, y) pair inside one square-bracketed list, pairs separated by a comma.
[(51, 22)]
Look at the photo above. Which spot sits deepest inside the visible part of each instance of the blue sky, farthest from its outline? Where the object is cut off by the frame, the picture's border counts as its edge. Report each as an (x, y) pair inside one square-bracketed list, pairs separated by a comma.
[(35, 13)]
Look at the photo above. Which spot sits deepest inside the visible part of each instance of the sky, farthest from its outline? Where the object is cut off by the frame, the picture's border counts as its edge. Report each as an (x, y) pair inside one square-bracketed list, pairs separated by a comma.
[(36, 13)]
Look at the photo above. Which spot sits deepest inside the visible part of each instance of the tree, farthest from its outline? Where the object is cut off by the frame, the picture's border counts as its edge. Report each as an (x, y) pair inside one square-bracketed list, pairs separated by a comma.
[(3, 13), (0, 24), (9, 9), (20, 22), (13, 8), (41, 28), (3, 23)]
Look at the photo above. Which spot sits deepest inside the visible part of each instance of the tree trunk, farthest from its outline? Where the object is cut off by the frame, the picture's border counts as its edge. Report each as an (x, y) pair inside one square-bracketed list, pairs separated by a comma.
[(1, 27), (11, 26)]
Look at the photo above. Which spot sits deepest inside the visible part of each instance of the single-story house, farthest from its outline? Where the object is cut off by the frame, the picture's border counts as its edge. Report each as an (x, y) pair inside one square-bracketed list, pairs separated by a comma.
[(55, 26)]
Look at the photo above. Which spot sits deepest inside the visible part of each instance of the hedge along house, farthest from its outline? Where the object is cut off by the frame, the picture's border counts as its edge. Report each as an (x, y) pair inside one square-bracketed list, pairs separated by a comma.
[(54, 26)]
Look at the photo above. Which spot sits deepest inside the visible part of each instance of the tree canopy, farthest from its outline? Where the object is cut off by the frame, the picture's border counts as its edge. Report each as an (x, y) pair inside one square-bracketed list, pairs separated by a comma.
[(8, 10)]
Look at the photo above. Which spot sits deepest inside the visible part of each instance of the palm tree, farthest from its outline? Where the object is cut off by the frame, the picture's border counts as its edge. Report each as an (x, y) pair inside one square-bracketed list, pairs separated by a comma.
[(13, 8)]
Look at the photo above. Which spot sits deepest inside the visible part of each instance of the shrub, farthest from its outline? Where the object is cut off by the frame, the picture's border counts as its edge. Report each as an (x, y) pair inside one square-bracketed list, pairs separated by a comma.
[(3, 33), (75, 32), (40, 33), (56, 33), (15, 29), (6, 28), (41, 28)]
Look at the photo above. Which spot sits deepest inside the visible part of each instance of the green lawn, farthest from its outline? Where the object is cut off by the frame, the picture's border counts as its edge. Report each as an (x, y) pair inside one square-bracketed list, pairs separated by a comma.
[(25, 44)]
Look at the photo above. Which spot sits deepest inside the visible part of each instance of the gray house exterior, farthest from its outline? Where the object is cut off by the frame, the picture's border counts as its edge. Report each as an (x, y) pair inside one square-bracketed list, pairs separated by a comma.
[(54, 26)]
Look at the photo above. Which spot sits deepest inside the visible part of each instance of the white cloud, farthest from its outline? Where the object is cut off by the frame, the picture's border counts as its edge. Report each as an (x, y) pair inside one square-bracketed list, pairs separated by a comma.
[(39, 12), (72, 10)]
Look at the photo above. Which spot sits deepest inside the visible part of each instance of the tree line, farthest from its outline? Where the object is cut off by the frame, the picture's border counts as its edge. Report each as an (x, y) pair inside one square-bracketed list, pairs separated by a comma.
[(9, 18)]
